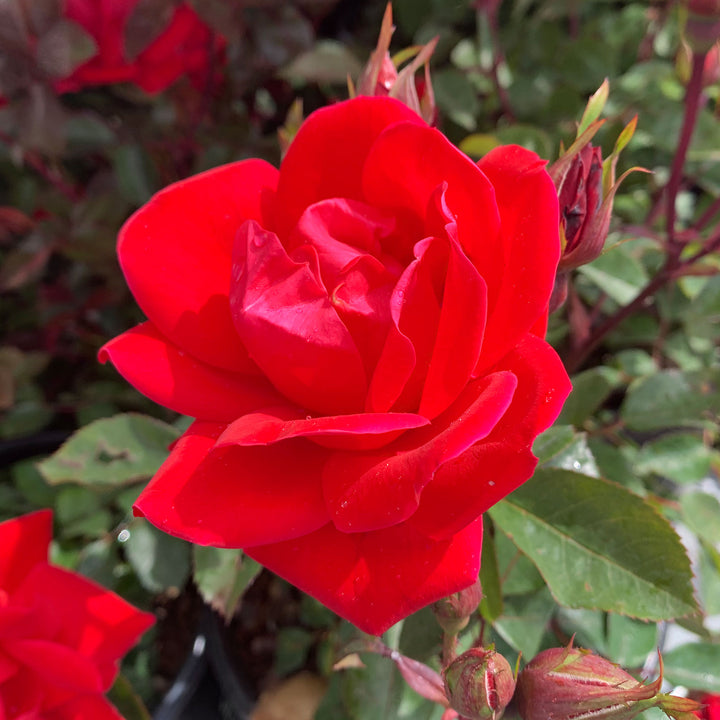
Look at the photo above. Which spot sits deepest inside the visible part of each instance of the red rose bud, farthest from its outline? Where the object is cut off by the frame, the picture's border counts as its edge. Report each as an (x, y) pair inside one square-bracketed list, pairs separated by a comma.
[(710, 709), (454, 611), (479, 684), (586, 188), (381, 77), (702, 27), (565, 683)]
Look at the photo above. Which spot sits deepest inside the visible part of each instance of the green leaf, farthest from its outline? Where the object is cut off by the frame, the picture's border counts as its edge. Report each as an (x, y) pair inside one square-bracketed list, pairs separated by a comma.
[(598, 546), (701, 513), (590, 389), (118, 450), (222, 575), (553, 441), (491, 605), (618, 273), (576, 456), (161, 562), (682, 457), (523, 622), (127, 701), (672, 398), (695, 665), (292, 647), (629, 641)]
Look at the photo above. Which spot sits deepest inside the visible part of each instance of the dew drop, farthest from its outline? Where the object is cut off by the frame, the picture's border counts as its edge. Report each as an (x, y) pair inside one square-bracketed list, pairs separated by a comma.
[(577, 465), (123, 535), (491, 483)]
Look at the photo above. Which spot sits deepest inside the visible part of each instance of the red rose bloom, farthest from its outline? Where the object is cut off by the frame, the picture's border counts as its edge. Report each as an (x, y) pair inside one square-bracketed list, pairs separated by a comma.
[(185, 47), (61, 636), (356, 334), (711, 707)]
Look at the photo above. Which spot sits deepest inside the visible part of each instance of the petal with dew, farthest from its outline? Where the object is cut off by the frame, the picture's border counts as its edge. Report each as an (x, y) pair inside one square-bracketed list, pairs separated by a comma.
[(375, 579), (236, 496)]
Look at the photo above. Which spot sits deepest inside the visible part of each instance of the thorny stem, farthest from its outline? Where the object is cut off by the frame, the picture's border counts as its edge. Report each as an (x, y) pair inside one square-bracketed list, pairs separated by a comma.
[(693, 98), (673, 268), (497, 60)]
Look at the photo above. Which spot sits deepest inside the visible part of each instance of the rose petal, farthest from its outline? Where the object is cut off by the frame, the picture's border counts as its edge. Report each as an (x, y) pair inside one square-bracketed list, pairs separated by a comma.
[(286, 320), (403, 170), (357, 432), (327, 155), (529, 237), (374, 490), (24, 542), (460, 327), (236, 496), (96, 623), (378, 578), (483, 475), (56, 664), (172, 378), (176, 253)]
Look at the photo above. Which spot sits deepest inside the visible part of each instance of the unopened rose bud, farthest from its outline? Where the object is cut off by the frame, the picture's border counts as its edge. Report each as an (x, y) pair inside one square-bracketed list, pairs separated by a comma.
[(711, 65), (586, 188), (454, 611), (479, 684), (381, 77), (564, 683), (702, 28)]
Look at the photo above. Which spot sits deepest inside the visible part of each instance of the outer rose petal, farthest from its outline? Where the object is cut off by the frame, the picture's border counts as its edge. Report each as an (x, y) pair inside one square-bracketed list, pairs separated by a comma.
[(327, 155), (236, 496), (529, 235), (494, 467), (375, 579), (374, 490), (176, 253), (93, 621), (57, 665), (172, 378), (356, 432), (24, 542)]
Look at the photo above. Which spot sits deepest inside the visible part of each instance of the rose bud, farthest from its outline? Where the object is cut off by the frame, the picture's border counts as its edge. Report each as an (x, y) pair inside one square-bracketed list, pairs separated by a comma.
[(586, 188), (702, 27), (454, 611), (381, 77), (479, 684), (563, 683), (711, 65)]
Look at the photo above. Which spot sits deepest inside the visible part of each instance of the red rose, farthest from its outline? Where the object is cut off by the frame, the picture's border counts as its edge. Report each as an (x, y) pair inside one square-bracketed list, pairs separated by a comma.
[(185, 47), (711, 707), (61, 636), (357, 336)]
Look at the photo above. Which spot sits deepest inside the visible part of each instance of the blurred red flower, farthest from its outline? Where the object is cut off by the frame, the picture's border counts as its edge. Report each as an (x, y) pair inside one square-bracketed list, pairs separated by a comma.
[(184, 46), (61, 636)]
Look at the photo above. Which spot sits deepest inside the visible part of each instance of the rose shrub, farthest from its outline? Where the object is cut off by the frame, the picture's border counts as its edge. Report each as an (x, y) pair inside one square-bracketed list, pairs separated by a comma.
[(185, 46), (61, 636), (359, 336)]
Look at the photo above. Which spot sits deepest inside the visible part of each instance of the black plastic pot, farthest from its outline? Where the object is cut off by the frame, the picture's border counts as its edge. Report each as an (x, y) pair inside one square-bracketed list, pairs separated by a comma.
[(207, 686)]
